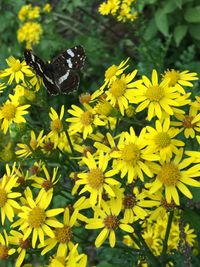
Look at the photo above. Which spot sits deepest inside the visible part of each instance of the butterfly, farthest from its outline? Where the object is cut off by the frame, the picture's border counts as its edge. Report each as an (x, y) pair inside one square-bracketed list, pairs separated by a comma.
[(59, 76)]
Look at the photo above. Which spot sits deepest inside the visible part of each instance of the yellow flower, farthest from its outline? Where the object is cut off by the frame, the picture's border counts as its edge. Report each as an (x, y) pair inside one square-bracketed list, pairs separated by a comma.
[(83, 121), (5, 250), (98, 178), (179, 79), (107, 218), (47, 8), (131, 157), (162, 140), (188, 123), (111, 6), (36, 219), (22, 14), (25, 150), (111, 75), (63, 235), (17, 70), (120, 91), (12, 112), (175, 174), (7, 202), (159, 99), (16, 238), (34, 12), (45, 183), (57, 126), (30, 32)]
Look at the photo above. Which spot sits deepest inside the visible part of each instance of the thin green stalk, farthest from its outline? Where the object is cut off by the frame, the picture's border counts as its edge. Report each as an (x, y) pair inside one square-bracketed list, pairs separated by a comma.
[(169, 223), (69, 141)]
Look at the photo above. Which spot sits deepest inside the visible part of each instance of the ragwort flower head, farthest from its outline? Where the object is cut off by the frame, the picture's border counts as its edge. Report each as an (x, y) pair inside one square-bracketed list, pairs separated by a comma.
[(158, 98), (12, 112), (131, 157), (5, 250), (106, 217), (175, 174), (35, 219), (84, 121), (98, 178), (161, 139), (17, 70)]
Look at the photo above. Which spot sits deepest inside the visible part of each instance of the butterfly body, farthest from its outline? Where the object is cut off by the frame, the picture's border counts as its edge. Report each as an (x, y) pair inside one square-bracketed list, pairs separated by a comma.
[(59, 76)]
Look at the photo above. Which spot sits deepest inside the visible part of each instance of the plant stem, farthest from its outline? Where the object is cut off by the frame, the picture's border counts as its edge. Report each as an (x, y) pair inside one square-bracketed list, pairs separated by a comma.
[(164, 250)]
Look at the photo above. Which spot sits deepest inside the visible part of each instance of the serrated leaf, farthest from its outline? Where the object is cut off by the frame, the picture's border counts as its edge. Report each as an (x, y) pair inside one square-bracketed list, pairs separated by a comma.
[(194, 31), (179, 33), (150, 31), (161, 22), (192, 14)]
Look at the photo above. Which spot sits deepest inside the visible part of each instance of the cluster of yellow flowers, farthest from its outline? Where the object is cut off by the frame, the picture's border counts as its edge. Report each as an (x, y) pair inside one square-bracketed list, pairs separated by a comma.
[(116, 162), (30, 30), (122, 10)]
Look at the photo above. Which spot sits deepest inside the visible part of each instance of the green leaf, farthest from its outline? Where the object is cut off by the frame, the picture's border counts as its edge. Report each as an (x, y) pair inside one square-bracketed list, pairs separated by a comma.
[(179, 33), (178, 3), (150, 30), (194, 31), (169, 7), (192, 14), (192, 218), (162, 22)]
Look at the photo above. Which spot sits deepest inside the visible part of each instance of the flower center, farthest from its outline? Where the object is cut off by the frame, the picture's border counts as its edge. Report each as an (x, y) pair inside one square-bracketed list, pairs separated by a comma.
[(56, 125), (48, 146), (24, 244), (3, 197), (111, 72), (187, 122), (168, 206), (155, 93), (16, 66), (86, 118), (63, 234), (169, 174), (8, 111), (173, 76), (130, 153), (36, 217), (47, 185), (3, 252), (162, 139), (95, 178), (111, 222), (117, 88), (129, 202)]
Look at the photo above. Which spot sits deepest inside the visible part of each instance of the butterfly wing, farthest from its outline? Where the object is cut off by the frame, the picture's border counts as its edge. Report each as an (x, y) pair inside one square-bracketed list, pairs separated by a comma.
[(43, 70)]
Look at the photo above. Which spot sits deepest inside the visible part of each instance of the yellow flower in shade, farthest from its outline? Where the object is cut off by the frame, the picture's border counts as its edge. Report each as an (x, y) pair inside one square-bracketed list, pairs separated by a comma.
[(25, 150), (120, 91), (98, 178), (22, 14), (159, 99), (83, 120), (63, 235), (16, 238), (7, 196), (34, 12), (36, 219), (188, 123), (47, 8), (57, 126), (5, 251), (175, 174), (16, 71), (152, 239), (161, 139), (30, 32), (111, 75), (2, 86), (179, 79), (132, 158), (107, 218), (75, 259), (48, 182)]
